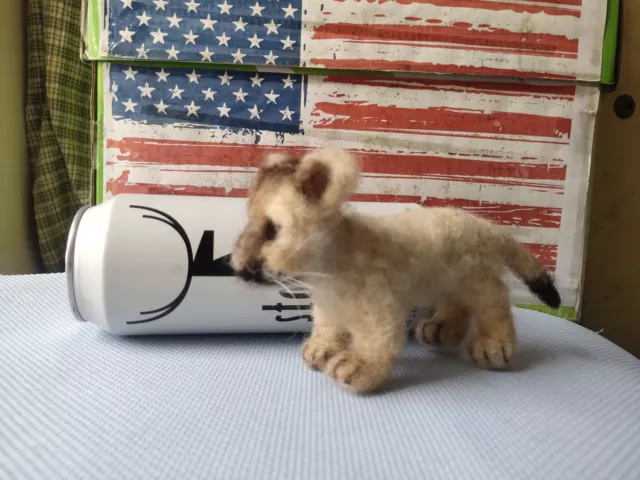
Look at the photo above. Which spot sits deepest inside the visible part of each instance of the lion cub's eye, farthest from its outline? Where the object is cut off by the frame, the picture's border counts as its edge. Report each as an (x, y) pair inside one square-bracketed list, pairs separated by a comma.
[(270, 231)]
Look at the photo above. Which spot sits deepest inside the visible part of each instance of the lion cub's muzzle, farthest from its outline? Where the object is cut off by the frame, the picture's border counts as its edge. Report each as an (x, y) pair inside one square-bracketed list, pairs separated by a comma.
[(253, 272)]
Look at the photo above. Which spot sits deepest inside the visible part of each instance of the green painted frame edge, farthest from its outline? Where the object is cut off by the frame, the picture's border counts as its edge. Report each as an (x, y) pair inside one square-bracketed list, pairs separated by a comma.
[(568, 313), (99, 146), (94, 29), (610, 43)]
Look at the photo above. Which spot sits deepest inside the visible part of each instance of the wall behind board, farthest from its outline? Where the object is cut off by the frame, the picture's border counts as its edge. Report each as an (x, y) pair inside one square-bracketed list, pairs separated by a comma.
[(16, 246), (611, 301)]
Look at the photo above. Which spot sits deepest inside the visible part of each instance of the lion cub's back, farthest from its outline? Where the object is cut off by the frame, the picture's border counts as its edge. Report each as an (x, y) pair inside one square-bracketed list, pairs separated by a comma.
[(435, 224)]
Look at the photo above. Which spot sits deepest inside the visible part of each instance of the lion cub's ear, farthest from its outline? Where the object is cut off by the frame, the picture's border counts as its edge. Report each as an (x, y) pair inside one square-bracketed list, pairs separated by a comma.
[(277, 161), (327, 177), (276, 165)]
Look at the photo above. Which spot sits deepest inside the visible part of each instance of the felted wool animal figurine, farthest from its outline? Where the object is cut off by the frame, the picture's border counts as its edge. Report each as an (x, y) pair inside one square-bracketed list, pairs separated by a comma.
[(367, 273)]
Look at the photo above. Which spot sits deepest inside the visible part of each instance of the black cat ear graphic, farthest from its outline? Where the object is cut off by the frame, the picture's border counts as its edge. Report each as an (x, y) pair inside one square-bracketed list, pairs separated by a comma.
[(202, 265)]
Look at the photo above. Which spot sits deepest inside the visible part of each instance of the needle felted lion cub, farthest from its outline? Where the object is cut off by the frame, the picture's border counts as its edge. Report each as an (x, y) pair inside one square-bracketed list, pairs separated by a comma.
[(367, 273)]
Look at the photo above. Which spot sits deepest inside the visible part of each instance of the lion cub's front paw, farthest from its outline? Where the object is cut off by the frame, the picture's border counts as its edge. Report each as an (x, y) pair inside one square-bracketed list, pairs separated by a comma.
[(351, 371), (494, 352), (317, 351)]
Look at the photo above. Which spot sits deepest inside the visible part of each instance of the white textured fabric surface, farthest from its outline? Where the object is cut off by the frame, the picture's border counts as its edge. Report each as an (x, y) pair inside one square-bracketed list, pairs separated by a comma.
[(76, 402)]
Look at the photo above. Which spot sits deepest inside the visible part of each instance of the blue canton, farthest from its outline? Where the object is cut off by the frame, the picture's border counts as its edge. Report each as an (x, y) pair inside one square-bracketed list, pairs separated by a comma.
[(241, 32), (208, 97)]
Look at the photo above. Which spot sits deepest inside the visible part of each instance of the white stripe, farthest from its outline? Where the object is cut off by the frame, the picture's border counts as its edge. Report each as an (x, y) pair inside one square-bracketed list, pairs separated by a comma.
[(463, 190), (594, 15), (104, 33), (541, 3), (422, 188), (544, 236), (551, 187), (341, 50), (496, 49)]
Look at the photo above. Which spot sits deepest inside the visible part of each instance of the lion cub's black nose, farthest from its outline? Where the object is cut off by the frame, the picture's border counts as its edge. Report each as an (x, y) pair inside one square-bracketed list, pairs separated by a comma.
[(252, 272)]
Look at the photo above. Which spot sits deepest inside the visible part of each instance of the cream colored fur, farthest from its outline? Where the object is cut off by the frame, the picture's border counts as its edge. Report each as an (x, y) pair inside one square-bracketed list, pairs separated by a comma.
[(367, 273)]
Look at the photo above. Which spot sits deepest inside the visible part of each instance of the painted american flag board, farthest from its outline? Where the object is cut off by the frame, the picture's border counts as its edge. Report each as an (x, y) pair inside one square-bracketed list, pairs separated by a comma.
[(557, 39), (517, 153)]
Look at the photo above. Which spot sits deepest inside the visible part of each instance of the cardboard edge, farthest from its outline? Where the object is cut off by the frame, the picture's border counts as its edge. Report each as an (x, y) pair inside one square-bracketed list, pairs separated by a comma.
[(587, 213), (261, 68), (324, 72), (93, 119), (96, 56), (92, 31), (99, 134)]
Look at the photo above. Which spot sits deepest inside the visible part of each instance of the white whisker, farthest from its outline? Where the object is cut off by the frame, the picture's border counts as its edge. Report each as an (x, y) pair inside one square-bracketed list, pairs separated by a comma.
[(315, 274), (283, 285), (289, 280), (299, 283)]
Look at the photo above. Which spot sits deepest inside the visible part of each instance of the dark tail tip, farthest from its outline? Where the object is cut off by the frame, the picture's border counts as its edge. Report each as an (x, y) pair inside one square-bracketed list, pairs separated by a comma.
[(544, 288)]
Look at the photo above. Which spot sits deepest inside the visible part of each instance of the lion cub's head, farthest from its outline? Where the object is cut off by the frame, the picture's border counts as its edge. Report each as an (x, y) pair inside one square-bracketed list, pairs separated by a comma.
[(292, 206)]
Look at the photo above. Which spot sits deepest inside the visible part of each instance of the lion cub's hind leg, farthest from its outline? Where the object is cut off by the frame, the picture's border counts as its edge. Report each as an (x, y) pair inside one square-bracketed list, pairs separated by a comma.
[(447, 327), (492, 343)]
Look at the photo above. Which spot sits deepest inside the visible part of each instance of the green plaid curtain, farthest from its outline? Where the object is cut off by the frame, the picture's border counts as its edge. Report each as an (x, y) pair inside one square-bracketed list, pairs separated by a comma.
[(58, 122)]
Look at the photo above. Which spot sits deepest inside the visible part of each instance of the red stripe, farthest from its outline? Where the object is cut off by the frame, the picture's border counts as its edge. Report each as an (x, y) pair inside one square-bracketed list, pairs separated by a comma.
[(420, 165), (409, 66), (374, 118), (576, 3), (499, 213), (554, 92), (494, 6), (185, 152), (119, 185), (460, 33), (170, 152), (546, 254)]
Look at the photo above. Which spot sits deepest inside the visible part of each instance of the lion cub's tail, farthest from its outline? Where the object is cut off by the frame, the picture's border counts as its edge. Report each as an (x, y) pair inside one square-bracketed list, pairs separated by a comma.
[(526, 266)]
